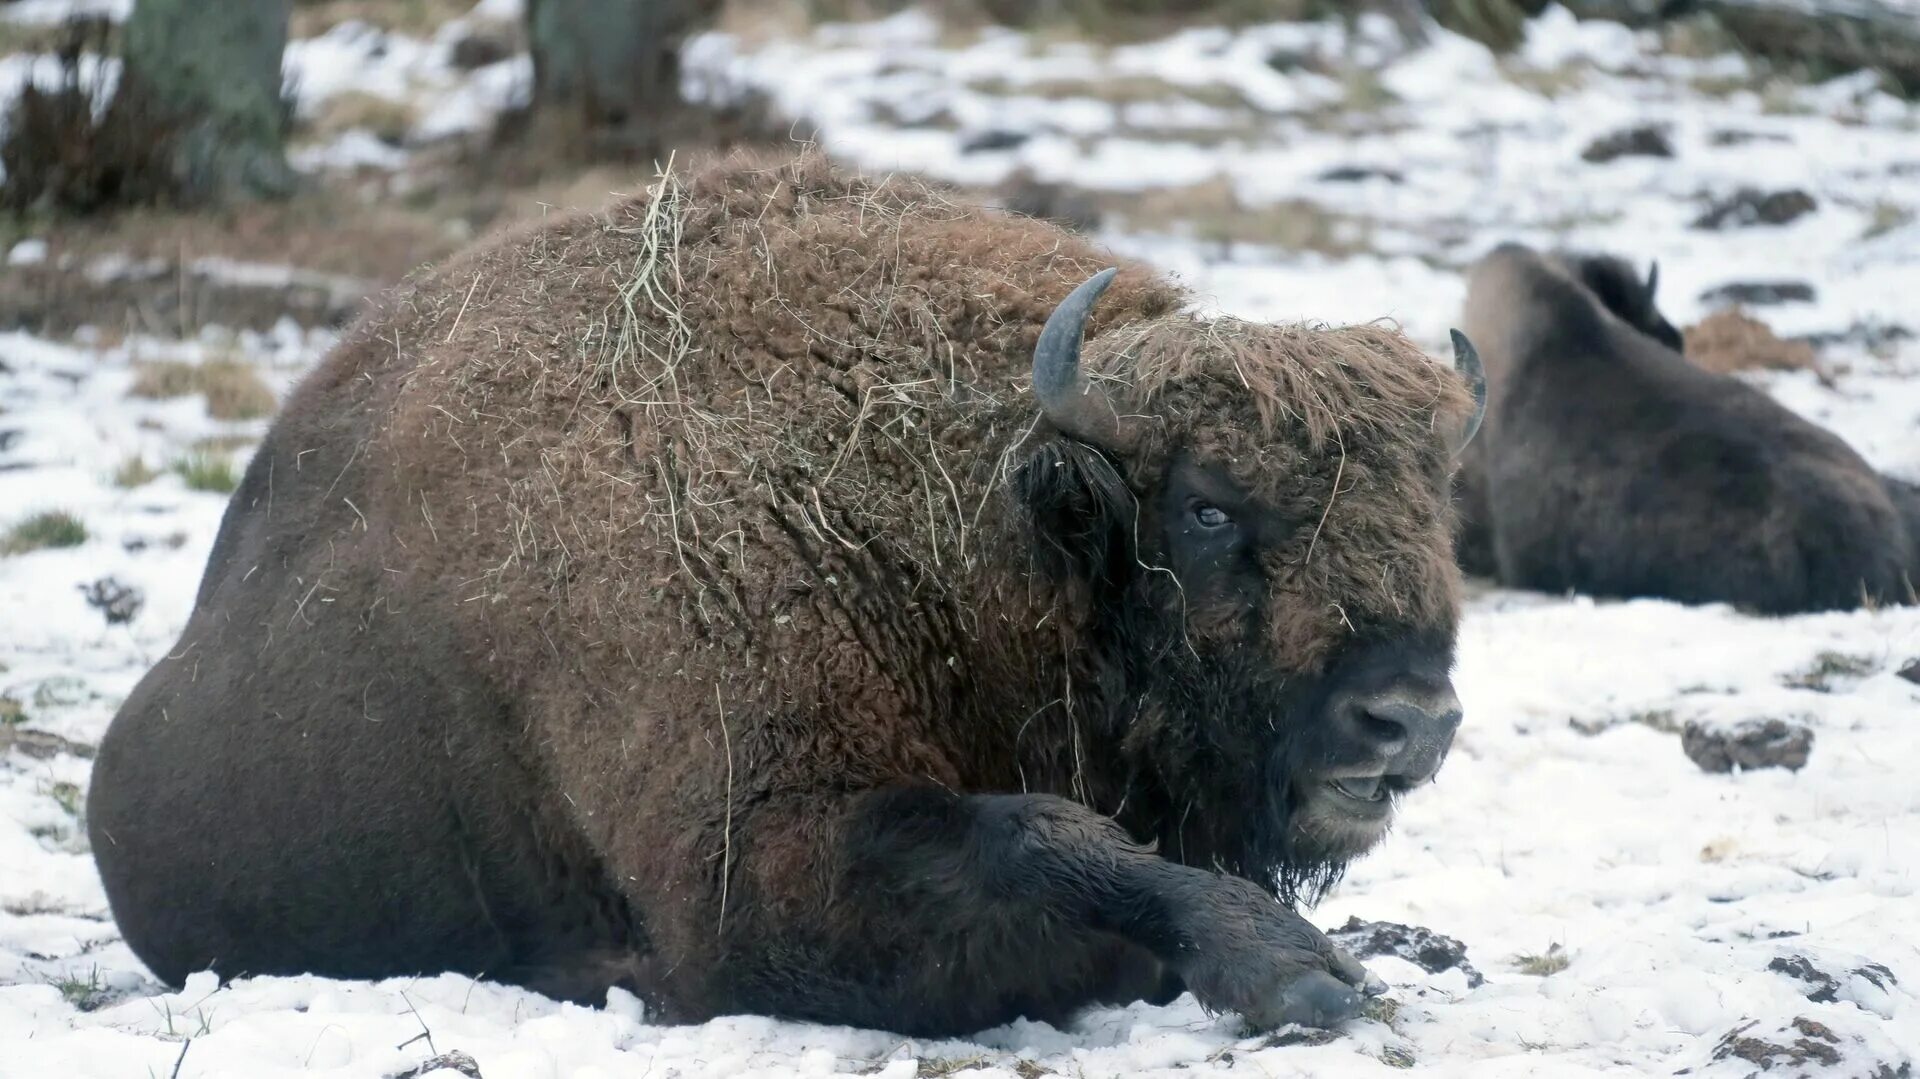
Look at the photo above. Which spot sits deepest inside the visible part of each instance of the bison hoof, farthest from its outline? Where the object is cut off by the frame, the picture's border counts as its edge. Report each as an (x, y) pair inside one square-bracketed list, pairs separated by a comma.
[(1317, 1000), (1313, 998)]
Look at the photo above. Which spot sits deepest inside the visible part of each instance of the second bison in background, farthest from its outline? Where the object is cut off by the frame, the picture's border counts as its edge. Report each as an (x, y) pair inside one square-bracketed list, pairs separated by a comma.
[(746, 595), (1612, 466)]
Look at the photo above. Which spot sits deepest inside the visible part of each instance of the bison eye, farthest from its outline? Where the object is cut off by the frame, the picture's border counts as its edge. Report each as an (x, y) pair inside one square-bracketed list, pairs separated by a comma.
[(1211, 516)]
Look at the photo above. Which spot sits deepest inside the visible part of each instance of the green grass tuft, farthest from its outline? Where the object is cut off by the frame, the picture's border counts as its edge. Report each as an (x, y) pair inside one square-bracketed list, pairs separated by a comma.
[(207, 472), (55, 528), (86, 993), (69, 797)]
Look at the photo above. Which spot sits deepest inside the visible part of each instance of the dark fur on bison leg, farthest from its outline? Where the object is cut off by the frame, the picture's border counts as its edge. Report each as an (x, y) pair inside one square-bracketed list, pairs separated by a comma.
[(974, 862)]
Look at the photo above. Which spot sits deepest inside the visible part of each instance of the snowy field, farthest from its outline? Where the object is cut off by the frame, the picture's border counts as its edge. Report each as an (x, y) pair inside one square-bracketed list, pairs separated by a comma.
[(1631, 914)]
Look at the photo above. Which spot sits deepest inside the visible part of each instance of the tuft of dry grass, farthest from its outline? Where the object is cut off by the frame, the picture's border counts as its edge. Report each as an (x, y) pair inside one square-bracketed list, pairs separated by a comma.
[(941, 1067), (1731, 340), (1548, 82), (55, 528), (416, 18), (234, 391), (1216, 216), (1119, 90), (390, 121), (38, 38), (134, 472), (1829, 667), (1101, 20), (1544, 965), (1884, 217)]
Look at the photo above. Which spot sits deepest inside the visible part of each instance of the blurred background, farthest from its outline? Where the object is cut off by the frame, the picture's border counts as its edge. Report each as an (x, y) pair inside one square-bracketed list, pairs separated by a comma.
[(196, 195)]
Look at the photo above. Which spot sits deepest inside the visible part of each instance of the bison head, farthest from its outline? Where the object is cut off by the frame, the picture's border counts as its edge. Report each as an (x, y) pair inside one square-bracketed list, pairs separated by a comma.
[(1258, 517), (1621, 291)]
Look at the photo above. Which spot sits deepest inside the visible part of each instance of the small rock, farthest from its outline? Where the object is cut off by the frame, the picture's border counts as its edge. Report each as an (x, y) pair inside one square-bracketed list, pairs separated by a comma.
[(988, 141), (118, 602), (1805, 1042), (1731, 137), (1353, 174), (1758, 293), (1873, 336), (1752, 206), (1822, 987), (1424, 948), (1646, 141), (1803, 1048), (1911, 672), (483, 45), (455, 1061), (1288, 60), (1746, 745)]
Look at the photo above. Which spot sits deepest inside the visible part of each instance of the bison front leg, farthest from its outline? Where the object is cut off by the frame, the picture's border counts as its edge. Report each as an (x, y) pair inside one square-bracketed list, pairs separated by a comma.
[(948, 913)]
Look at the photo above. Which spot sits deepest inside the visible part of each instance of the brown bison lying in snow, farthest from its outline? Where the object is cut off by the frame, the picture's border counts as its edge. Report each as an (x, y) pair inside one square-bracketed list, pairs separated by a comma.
[(1611, 465), (692, 597)]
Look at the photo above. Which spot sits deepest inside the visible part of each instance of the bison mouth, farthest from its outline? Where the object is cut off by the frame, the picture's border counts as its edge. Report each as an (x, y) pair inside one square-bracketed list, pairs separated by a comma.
[(1363, 789), (1344, 814)]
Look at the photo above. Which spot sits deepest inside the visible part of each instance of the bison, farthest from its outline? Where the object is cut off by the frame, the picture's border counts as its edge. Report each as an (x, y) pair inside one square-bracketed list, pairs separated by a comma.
[(695, 597), (1612, 466)]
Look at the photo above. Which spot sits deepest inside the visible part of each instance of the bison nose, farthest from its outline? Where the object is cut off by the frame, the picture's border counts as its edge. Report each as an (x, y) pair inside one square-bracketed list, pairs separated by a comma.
[(1410, 732)]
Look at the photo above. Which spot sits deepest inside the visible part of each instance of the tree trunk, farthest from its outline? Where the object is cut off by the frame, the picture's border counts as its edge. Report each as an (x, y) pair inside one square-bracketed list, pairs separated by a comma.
[(608, 71), (208, 73)]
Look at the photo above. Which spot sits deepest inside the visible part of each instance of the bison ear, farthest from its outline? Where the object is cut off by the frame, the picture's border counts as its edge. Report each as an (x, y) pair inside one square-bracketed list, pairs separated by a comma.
[(1081, 511)]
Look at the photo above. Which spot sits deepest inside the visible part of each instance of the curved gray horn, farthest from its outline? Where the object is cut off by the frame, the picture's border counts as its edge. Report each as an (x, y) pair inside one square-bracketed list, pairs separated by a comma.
[(1466, 360), (1074, 405), (1653, 278)]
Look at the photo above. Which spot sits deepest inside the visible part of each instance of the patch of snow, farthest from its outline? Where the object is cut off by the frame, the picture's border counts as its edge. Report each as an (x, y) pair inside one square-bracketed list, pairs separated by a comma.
[(499, 10), (55, 12), (27, 253), (357, 148), (98, 75), (356, 57)]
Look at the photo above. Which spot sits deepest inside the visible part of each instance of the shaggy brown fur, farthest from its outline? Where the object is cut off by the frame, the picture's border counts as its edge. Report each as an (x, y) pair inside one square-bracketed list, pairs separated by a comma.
[(627, 602), (1610, 465)]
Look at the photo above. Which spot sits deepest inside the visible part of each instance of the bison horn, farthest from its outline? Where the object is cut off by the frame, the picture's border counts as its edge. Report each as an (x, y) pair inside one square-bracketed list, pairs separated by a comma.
[(1070, 401), (1466, 360), (1653, 278)]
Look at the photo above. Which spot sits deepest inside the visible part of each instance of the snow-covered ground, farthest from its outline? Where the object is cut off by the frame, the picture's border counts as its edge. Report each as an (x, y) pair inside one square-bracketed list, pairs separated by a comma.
[(1568, 830)]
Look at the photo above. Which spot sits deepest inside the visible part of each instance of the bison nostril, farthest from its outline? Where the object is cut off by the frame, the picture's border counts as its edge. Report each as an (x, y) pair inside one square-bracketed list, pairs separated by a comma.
[(1384, 730), (1395, 726)]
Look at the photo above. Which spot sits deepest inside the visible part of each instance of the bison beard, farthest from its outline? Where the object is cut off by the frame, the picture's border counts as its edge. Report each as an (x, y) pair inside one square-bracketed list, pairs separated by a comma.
[(693, 597)]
